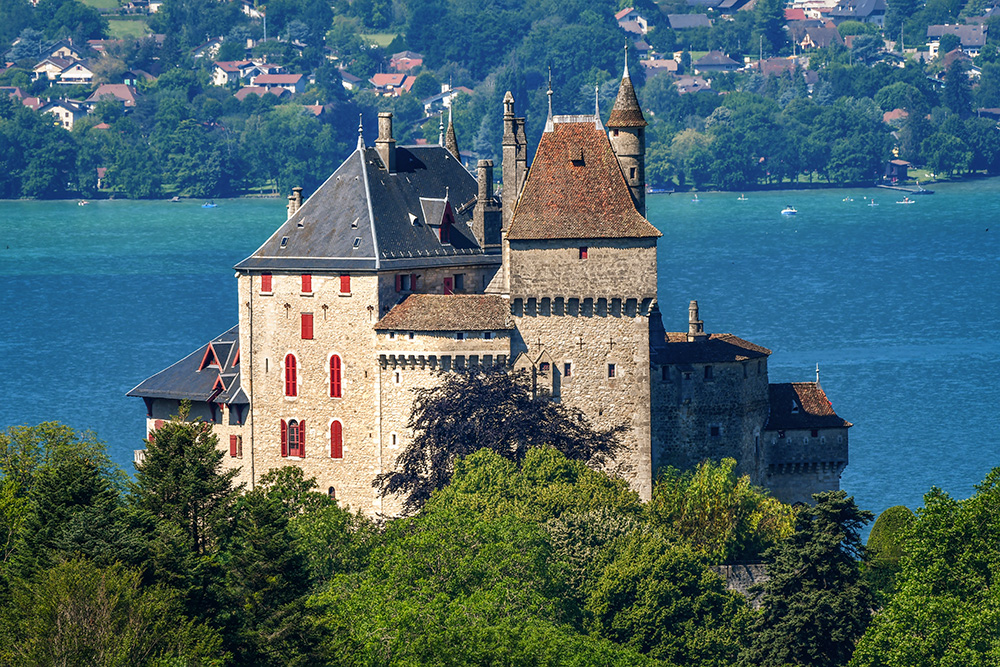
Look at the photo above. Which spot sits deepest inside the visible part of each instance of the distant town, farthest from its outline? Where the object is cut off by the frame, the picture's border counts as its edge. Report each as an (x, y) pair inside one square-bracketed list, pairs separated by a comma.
[(177, 98)]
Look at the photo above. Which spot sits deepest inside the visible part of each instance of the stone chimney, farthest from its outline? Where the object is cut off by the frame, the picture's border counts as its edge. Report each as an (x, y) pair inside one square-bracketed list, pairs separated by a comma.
[(294, 201), (487, 218), (385, 144), (514, 167), (696, 328)]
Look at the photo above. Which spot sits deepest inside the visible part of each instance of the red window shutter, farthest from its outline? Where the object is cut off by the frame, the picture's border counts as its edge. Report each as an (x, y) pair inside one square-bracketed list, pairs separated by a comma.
[(413, 282), (307, 282), (336, 440), (307, 326), (345, 284), (449, 286), (284, 438), (265, 282), (583, 252), (335, 386), (302, 438), (157, 424), (399, 283), (291, 381), (232, 446)]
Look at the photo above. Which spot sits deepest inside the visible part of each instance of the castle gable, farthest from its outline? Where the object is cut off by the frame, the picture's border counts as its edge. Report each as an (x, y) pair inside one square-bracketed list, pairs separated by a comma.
[(458, 312), (716, 348), (575, 189), (801, 405), (192, 379), (365, 218)]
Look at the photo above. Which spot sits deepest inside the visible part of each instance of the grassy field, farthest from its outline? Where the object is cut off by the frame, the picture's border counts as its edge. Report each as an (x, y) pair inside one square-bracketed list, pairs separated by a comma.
[(127, 27), (102, 4), (383, 39)]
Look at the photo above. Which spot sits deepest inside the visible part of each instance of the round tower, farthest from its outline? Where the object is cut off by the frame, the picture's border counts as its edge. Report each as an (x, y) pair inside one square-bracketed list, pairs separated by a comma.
[(627, 132)]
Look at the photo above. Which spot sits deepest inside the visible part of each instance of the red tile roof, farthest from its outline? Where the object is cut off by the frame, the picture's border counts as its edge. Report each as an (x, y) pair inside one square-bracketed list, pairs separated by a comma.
[(575, 189), (277, 79), (801, 405), (453, 312)]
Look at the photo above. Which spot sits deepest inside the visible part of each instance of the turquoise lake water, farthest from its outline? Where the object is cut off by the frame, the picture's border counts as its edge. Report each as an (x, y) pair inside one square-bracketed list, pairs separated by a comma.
[(897, 304)]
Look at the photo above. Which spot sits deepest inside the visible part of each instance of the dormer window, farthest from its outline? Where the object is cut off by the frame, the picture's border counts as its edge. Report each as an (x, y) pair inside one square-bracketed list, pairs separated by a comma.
[(795, 408)]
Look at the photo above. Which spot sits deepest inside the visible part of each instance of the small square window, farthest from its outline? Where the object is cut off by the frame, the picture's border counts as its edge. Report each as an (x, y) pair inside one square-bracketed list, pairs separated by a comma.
[(307, 283), (612, 371), (709, 372), (265, 283), (567, 370), (392, 335), (345, 284), (814, 433), (544, 367), (410, 335), (715, 430), (665, 373), (460, 335), (583, 252), (487, 335), (459, 281)]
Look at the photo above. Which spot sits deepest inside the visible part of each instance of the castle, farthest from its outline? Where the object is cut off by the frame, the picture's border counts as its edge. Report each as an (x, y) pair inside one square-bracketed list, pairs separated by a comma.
[(403, 264)]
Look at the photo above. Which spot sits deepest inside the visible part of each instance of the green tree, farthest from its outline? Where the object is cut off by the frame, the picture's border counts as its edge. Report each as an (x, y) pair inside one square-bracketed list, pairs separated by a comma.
[(946, 608), (769, 27), (486, 408), (948, 43), (815, 603), (885, 549), (77, 613), (664, 602), (957, 95), (719, 514)]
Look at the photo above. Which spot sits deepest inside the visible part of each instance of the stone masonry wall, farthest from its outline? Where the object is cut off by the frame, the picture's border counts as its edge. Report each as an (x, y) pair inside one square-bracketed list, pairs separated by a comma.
[(687, 406), (614, 268), (342, 326)]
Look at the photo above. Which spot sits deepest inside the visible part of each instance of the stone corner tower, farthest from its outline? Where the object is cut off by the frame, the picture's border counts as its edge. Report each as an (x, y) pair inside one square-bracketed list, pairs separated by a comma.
[(626, 130)]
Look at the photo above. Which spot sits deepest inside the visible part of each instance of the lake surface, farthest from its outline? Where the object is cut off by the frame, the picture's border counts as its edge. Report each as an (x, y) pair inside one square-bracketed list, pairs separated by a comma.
[(898, 304)]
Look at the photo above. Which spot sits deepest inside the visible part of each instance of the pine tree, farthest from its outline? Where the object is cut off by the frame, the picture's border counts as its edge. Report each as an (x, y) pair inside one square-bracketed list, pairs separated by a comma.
[(816, 605)]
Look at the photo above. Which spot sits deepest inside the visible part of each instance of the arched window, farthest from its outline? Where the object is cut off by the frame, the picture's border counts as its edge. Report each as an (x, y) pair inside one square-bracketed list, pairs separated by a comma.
[(293, 438), (291, 378), (336, 440), (335, 389)]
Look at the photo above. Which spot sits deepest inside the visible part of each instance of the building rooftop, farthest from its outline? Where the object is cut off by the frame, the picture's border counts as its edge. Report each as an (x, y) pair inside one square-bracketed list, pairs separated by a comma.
[(364, 218), (210, 373), (713, 349), (453, 312), (801, 405), (575, 188)]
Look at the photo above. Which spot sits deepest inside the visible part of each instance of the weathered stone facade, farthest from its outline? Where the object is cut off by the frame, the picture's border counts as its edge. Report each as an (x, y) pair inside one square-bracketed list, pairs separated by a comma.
[(403, 266)]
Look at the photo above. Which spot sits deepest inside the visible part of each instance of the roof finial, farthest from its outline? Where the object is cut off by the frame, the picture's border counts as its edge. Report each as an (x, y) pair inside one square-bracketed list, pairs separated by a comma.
[(549, 93), (361, 136), (817, 373), (441, 129), (625, 75), (597, 99)]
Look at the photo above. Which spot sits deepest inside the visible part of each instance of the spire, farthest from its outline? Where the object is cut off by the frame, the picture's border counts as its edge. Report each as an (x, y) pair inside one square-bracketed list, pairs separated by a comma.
[(361, 136), (549, 126), (626, 112), (451, 140)]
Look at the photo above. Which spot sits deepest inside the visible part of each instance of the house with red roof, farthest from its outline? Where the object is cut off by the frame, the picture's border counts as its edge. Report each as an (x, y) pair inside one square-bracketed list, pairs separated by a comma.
[(404, 61), (392, 83), (120, 92), (293, 83)]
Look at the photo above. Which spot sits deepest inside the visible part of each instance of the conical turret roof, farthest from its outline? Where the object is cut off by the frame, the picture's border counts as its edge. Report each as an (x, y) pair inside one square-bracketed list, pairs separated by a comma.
[(626, 112)]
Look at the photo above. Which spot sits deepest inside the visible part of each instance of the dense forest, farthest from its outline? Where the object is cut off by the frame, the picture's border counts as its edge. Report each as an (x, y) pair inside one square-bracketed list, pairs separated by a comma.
[(519, 553), (185, 136)]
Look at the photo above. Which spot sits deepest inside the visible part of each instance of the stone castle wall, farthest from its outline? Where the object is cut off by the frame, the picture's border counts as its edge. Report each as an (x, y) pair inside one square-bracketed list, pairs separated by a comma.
[(613, 269), (272, 323), (698, 417)]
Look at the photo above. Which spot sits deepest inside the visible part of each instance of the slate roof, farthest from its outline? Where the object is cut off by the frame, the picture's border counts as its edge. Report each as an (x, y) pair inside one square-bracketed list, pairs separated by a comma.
[(968, 35), (860, 9), (716, 58), (187, 380), (363, 218), (452, 312), (575, 188), (688, 21), (716, 348), (801, 405)]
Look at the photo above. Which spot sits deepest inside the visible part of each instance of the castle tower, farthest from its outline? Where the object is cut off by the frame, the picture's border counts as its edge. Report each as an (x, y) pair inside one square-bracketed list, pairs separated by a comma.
[(626, 130)]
